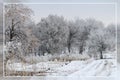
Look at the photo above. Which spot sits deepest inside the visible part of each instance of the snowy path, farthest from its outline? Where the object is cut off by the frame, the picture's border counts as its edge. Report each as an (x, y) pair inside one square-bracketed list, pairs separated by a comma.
[(96, 68), (78, 77), (104, 67)]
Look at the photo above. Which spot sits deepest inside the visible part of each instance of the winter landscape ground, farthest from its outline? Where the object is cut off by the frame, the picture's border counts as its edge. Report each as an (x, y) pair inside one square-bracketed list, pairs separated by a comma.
[(70, 77), (90, 67)]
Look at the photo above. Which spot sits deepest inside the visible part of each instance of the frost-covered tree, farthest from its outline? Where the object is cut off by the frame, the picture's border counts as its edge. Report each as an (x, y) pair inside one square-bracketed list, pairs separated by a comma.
[(73, 34), (111, 36), (15, 18), (85, 27), (97, 42), (32, 41), (82, 35), (52, 33), (93, 24)]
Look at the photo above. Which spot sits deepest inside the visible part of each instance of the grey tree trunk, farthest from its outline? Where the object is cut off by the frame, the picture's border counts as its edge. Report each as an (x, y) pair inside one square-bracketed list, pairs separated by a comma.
[(101, 55)]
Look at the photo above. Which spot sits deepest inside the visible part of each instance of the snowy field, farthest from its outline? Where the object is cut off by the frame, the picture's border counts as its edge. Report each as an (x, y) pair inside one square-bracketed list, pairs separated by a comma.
[(91, 67), (80, 77)]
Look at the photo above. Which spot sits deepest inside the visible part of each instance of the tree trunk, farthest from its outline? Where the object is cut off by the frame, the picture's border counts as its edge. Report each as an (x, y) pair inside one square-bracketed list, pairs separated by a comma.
[(69, 43), (81, 48), (101, 55), (11, 31), (69, 46)]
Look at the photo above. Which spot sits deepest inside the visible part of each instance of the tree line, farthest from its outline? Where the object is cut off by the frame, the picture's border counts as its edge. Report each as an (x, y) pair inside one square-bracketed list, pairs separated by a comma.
[(56, 35)]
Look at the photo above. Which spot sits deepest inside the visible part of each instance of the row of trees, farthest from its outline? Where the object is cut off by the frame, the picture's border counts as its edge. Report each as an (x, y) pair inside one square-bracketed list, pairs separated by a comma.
[(56, 35)]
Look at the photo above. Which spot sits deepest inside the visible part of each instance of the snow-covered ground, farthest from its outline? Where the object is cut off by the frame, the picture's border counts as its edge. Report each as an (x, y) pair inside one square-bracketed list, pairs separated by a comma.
[(79, 77), (91, 67)]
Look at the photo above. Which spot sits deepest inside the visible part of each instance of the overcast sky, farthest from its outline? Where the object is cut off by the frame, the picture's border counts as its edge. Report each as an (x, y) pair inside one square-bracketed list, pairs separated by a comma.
[(102, 12)]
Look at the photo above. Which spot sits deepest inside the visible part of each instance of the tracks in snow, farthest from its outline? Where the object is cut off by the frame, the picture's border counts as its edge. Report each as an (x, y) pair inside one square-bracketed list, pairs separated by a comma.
[(95, 68)]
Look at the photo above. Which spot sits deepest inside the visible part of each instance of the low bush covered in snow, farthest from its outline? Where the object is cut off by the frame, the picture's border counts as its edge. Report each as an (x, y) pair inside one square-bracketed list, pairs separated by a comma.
[(36, 59), (62, 57)]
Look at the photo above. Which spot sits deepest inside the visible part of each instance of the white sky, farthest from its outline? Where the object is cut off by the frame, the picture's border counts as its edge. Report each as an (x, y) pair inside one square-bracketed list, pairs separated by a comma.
[(105, 13), (102, 12)]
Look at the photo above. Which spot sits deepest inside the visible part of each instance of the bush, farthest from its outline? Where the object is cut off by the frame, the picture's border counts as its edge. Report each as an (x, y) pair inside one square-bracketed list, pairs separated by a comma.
[(62, 57), (37, 59)]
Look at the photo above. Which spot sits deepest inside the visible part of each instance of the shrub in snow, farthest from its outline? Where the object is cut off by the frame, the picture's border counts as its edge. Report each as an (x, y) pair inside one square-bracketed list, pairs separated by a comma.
[(63, 57), (78, 57), (71, 57), (85, 56), (55, 57), (37, 59)]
